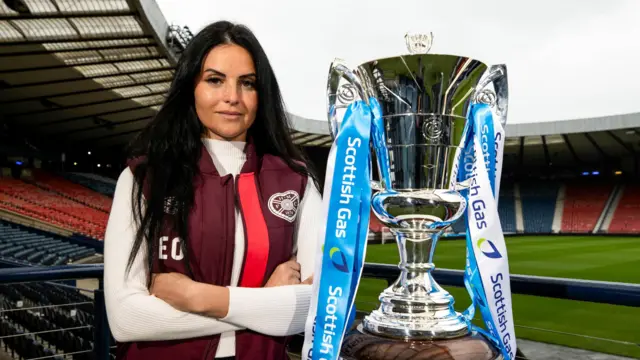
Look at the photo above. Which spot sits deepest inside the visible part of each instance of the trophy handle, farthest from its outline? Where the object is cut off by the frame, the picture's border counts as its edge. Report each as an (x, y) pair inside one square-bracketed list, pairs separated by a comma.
[(340, 96), (376, 185), (499, 96)]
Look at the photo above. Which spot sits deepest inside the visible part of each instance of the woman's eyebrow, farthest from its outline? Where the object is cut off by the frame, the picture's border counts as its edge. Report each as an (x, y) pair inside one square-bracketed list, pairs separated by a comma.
[(215, 72), (219, 73)]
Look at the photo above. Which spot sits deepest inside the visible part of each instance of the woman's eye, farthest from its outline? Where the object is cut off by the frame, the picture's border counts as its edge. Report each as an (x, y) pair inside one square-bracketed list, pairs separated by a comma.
[(214, 80), (249, 84)]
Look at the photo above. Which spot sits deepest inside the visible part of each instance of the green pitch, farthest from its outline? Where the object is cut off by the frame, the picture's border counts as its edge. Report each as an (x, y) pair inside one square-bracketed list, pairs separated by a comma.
[(597, 327)]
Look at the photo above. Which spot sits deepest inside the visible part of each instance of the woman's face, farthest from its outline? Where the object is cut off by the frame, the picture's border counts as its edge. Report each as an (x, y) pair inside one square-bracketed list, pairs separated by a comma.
[(226, 98)]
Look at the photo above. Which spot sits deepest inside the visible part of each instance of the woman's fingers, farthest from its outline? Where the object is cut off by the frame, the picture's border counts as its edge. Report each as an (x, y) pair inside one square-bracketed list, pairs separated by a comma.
[(295, 276), (287, 273), (294, 265)]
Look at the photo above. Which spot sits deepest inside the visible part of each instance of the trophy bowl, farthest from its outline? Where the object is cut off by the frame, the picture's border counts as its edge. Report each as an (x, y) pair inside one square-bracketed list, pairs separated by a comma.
[(424, 100)]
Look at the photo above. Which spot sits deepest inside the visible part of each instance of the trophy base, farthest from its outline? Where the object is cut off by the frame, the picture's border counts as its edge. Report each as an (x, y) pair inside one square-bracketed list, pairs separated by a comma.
[(361, 345)]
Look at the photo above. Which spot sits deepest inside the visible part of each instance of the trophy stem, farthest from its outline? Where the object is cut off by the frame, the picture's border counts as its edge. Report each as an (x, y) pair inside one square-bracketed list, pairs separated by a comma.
[(416, 254), (415, 306)]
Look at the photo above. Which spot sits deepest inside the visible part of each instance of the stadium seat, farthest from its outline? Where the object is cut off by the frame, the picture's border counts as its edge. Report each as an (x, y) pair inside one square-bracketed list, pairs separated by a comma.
[(36, 202), (506, 212), (93, 182), (18, 243), (626, 218), (538, 206), (71, 190), (507, 208), (57, 329), (583, 205)]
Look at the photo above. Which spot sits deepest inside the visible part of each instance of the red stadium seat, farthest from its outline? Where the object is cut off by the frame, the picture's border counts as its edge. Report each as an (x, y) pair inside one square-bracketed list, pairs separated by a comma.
[(626, 218), (71, 190), (51, 207), (583, 204)]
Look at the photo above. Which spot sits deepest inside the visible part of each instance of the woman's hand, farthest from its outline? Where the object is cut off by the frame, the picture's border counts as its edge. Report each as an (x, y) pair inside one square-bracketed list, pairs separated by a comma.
[(287, 273), (175, 289), (187, 295)]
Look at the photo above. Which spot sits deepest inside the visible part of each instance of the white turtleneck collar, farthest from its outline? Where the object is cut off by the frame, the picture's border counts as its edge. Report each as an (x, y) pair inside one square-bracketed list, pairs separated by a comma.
[(227, 156)]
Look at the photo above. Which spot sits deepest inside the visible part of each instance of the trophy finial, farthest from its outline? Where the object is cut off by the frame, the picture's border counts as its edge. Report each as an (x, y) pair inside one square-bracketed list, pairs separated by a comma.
[(419, 43)]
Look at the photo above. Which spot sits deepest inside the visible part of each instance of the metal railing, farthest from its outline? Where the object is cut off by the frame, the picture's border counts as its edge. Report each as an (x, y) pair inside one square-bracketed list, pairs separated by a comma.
[(569, 289), (23, 275), (560, 288)]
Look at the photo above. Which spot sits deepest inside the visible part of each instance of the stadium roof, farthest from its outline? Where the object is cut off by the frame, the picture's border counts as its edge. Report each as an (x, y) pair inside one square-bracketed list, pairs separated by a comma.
[(609, 144), (92, 73), (84, 71)]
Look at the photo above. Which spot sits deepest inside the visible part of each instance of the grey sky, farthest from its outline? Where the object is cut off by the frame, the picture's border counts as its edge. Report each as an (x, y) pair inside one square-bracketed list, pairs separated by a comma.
[(566, 58)]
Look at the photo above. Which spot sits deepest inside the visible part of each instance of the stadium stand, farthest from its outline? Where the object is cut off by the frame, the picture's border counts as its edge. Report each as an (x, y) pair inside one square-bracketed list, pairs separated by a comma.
[(103, 179), (626, 218), (31, 200), (19, 244), (71, 190), (93, 87), (99, 71), (538, 205), (506, 211), (460, 227), (507, 208), (94, 183), (583, 205), (48, 330)]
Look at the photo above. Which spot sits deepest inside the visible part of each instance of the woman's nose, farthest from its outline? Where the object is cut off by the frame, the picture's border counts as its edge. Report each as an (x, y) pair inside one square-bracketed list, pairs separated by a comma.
[(231, 93)]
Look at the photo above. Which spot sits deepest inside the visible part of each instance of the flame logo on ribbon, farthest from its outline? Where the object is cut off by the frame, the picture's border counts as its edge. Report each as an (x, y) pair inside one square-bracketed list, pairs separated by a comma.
[(338, 259), (493, 254)]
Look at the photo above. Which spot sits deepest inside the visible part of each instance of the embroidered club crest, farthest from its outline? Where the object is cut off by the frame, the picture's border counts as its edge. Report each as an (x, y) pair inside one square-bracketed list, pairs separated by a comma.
[(285, 205)]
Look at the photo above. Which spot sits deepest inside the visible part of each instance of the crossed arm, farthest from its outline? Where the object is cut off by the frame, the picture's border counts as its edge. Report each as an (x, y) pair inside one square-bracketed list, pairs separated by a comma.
[(136, 315)]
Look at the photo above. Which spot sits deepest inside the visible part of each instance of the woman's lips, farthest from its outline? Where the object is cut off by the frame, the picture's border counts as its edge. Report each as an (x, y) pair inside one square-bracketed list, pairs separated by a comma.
[(231, 115)]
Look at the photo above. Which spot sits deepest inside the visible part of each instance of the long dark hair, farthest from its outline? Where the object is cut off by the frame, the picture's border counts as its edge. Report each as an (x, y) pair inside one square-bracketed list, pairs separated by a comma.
[(170, 146)]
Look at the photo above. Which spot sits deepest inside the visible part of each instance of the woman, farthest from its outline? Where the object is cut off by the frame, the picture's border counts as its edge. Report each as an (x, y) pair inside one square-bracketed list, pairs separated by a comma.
[(212, 227)]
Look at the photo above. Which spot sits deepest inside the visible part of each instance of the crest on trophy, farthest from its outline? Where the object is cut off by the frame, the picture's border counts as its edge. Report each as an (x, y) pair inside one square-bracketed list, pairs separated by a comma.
[(418, 43)]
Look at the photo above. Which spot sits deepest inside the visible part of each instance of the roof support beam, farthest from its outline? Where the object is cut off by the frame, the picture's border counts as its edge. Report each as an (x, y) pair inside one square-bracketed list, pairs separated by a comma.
[(59, 15), (104, 137), (68, 39), (596, 146), (111, 123), (308, 139), (17, 29), (521, 160), (89, 116), (547, 158), (622, 143), (68, 66), (65, 108), (81, 92), (88, 48), (52, 82), (571, 149)]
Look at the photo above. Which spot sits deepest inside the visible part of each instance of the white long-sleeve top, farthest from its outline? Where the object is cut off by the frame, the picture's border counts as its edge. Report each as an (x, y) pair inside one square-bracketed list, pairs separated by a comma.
[(135, 315)]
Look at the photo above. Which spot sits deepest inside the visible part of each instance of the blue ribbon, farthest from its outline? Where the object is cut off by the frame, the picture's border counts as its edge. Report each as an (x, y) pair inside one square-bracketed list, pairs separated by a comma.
[(479, 127), (379, 145), (348, 220), (346, 232)]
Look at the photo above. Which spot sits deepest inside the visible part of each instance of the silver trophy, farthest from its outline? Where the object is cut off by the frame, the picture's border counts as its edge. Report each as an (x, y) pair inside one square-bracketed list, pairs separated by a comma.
[(425, 99)]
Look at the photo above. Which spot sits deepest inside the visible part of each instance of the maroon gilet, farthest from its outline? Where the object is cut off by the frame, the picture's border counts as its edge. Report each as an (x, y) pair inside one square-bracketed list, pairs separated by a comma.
[(268, 194)]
